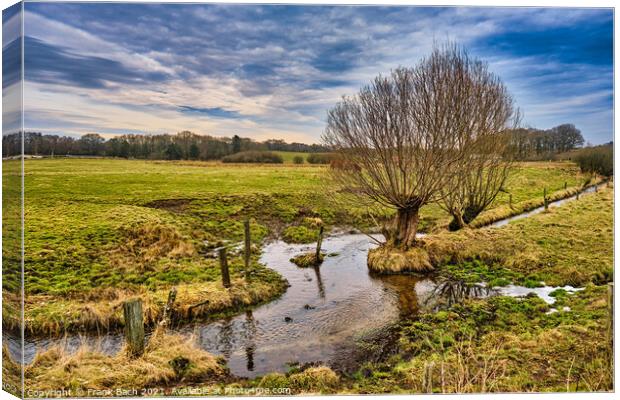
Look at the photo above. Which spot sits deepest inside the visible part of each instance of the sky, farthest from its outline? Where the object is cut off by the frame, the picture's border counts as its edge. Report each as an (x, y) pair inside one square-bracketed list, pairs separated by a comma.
[(274, 71)]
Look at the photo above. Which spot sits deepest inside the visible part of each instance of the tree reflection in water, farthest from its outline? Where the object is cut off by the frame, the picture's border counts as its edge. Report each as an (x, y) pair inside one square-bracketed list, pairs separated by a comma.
[(450, 290)]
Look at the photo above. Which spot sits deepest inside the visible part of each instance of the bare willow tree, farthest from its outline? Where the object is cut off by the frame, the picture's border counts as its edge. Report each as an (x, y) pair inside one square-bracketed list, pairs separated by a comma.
[(402, 139), (486, 162), (478, 180)]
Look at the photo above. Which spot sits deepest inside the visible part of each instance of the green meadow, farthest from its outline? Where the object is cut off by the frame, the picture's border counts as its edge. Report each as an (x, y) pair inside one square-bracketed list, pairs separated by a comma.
[(108, 228)]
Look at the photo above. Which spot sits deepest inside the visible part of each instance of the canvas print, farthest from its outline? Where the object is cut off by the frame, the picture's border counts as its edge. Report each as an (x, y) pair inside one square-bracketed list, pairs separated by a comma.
[(248, 199)]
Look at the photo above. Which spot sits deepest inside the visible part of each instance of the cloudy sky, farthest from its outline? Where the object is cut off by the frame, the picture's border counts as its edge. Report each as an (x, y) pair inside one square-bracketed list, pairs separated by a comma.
[(273, 71)]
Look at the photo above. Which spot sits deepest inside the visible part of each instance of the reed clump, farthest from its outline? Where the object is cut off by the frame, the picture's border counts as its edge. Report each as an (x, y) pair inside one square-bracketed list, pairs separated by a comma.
[(89, 368)]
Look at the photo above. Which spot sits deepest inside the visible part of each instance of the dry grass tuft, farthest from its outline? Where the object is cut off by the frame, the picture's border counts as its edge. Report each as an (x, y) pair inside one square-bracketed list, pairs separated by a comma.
[(146, 243), (387, 260), (88, 368), (314, 380), (308, 260)]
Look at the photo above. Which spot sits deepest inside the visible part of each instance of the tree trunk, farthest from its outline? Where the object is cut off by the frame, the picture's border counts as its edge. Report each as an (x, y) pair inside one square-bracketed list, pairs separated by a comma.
[(457, 221), (462, 219), (406, 226)]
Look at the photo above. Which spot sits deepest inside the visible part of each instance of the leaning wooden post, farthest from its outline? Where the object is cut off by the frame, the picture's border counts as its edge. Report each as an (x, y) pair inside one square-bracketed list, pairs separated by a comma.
[(248, 248), (510, 201), (546, 202), (134, 327), (224, 267), (317, 255)]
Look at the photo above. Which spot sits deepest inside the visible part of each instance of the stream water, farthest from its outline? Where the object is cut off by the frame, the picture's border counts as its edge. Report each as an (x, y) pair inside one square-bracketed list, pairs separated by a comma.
[(337, 314)]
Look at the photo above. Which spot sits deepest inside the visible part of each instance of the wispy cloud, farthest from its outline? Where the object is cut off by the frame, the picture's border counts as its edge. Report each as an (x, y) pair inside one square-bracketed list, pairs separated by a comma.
[(273, 71)]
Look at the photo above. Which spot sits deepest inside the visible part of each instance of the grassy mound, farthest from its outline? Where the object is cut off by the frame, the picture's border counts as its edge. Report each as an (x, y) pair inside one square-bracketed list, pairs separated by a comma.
[(387, 260), (308, 260), (319, 379), (168, 359)]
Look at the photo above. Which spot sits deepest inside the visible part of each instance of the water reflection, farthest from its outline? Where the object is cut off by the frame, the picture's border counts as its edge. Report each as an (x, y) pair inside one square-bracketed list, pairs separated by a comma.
[(319, 281), (449, 291), (250, 346)]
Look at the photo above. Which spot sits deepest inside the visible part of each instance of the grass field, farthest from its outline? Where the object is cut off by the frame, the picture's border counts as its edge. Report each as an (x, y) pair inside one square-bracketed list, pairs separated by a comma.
[(497, 344), (99, 230)]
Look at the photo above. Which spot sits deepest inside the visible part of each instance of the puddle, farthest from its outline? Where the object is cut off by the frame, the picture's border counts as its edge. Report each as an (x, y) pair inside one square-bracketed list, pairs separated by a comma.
[(542, 292)]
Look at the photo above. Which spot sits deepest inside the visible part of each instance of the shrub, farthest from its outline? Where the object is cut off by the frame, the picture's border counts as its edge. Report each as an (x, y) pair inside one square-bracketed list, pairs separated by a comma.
[(298, 160), (598, 160), (266, 157), (319, 158)]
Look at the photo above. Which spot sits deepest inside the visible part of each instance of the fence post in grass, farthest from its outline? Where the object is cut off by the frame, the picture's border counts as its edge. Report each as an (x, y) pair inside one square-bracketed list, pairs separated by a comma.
[(167, 317), (224, 267), (317, 255), (134, 327), (510, 201), (545, 201), (565, 185), (428, 377), (248, 248)]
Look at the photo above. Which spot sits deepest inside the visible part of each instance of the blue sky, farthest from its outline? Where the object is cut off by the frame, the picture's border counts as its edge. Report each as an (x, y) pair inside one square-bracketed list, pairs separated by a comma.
[(274, 71)]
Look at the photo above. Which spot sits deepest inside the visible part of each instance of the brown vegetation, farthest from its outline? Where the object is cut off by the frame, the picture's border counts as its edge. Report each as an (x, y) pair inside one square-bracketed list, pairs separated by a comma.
[(88, 368)]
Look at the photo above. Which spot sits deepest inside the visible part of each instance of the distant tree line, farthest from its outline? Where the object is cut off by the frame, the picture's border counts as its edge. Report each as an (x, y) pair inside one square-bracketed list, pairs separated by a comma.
[(536, 144), (181, 146)]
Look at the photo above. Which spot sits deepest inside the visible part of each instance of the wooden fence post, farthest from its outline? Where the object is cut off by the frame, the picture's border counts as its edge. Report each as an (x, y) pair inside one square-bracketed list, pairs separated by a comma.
[(510, 201), (317, 255), (545, 201), (167, 317), (134, 326), (248, 248), (224, 267), (428, 377), (565, 185)]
